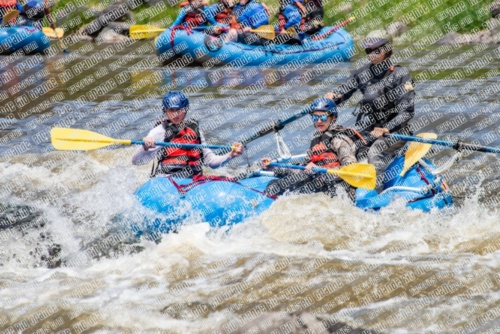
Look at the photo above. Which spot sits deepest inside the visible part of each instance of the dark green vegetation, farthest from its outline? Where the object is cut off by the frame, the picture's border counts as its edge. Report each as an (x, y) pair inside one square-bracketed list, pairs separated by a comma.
[(421, 17)]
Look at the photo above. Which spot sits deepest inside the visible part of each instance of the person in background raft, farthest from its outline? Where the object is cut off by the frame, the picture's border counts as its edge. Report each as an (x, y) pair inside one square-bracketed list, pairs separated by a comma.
[(222, 12), (7, 6), (32, 14), (176, 161), (387, 105), (330, 147), (193, 13), (314, 16), (290, 16), (248, 14)]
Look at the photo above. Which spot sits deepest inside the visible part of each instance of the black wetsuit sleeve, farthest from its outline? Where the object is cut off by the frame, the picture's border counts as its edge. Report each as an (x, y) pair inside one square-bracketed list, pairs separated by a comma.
[(347, 89), (404, 106)]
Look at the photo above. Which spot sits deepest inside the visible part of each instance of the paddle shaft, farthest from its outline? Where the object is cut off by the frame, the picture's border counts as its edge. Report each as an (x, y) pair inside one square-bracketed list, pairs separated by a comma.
[(185, 146), (276, 126), (456, 145), (201, 28), (53, 26), (338, 26), (314, 169)]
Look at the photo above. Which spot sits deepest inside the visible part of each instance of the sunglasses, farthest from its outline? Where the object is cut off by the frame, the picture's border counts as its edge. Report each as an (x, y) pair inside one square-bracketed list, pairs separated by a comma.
[(323, 118), (376, 51)]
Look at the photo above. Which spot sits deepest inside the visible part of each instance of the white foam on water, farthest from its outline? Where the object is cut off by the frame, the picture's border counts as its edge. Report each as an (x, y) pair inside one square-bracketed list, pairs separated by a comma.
[(170, 284)]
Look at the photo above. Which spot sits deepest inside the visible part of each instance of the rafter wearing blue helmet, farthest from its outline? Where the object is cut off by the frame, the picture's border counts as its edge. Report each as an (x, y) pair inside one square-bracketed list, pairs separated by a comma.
[(330, 147), (176, 129)]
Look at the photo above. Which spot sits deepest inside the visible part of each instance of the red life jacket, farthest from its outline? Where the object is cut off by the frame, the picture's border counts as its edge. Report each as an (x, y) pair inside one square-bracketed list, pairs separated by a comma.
[(321, 151), (174, 159), (195, 17), (323, 156), (223, 16), (226, 17), (8, 3)]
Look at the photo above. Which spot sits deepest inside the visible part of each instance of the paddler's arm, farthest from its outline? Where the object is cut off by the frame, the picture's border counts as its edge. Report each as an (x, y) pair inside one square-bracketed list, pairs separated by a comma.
[(143, 155), (344, 91), (213, 160)]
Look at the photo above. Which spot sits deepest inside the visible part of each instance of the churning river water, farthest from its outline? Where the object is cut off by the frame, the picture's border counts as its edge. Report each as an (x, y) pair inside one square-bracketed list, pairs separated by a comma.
[(309, 264)]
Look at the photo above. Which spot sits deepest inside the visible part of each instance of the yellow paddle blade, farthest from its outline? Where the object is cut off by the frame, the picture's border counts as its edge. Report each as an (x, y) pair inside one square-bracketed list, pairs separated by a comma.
[(81, 140), (417, 151), (49, 32), (10, 16), (291, 31), (266, 32), (144, 31), (357, 175)]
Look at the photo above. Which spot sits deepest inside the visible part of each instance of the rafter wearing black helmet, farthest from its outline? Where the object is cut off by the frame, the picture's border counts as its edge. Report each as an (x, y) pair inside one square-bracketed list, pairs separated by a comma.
[(387, 105)]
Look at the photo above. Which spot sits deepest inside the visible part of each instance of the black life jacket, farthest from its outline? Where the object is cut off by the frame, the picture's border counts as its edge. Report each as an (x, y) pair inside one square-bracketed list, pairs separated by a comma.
[(173, 159), (321, 151), (375, 101), (317, 3)]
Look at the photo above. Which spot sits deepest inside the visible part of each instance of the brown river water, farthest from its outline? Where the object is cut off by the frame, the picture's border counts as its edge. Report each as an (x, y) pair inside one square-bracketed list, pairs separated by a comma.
[(309, 264)]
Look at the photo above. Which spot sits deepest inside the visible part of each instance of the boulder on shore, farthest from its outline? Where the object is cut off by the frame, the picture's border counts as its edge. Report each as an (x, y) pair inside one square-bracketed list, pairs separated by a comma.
[(108, 35)]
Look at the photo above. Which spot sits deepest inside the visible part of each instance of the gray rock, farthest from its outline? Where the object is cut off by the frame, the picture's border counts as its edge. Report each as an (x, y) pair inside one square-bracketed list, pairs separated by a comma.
[(345, 7), (115, 12), (493, 25), (484, 37), (449, 38), (122, 28), (108, 35), (495, 9), (85, 38), (495, 37), (396, 28), (91, 29), (481, 37)]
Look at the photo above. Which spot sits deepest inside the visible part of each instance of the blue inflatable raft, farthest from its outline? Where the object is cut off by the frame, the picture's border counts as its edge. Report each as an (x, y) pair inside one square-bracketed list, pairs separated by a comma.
[(26, 38), (194, 47), (223, 203)]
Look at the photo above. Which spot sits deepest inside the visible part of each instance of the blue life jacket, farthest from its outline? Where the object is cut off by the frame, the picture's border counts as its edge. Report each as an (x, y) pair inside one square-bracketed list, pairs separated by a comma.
[(253, 14), (291, 15)]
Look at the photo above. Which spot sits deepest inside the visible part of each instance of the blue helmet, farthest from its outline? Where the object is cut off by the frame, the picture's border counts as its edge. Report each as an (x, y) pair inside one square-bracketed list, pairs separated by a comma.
[(175, 100), (33, 10), (324, 104)]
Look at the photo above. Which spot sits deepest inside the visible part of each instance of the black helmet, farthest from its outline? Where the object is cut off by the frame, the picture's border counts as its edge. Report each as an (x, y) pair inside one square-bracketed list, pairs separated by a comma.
[(376, 39)]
